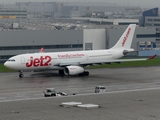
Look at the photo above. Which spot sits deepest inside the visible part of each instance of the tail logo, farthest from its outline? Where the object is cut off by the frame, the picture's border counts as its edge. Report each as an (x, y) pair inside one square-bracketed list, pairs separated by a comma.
[(125, 38)]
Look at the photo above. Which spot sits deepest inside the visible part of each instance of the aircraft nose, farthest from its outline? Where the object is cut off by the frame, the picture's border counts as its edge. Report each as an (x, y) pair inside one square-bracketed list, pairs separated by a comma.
[(9, 65), (6, 64)]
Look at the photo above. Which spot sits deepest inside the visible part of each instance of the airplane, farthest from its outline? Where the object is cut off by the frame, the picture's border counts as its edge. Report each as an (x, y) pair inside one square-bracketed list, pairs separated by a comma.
[(74, 62)]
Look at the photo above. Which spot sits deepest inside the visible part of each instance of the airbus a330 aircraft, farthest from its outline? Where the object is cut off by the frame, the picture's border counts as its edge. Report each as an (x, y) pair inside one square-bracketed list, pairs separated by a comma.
[(73, 63)]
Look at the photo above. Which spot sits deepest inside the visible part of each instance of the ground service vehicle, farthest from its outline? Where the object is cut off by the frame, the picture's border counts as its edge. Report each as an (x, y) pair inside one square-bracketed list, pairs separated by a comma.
[(99, 89), (49, 92)]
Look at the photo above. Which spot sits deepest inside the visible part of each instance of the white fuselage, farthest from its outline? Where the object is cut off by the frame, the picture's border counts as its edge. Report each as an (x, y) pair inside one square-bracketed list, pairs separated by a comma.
[(50, 60)]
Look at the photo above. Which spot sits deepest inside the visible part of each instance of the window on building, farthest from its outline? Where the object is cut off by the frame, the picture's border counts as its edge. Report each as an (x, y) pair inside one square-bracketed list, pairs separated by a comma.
[(40, 46), (157, 34), (6, 56), (148, 24), (150, 20), (156, 24), (146, 35), (156, 19)]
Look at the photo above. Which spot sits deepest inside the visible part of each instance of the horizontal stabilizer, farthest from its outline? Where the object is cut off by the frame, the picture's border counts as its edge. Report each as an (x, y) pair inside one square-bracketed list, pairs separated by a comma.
[(152, 57)]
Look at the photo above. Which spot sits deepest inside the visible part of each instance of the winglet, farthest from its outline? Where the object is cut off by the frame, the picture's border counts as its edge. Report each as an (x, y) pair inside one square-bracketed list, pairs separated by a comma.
[(152, 57), (41, 50)]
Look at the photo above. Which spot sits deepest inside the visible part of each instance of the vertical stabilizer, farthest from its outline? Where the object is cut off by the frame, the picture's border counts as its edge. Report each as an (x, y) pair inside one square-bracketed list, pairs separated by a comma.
[(41, 50), (125, 40)]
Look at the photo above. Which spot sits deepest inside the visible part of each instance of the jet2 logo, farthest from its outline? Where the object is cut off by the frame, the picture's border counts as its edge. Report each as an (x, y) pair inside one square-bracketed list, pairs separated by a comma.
[(42, 61), (125, 38)]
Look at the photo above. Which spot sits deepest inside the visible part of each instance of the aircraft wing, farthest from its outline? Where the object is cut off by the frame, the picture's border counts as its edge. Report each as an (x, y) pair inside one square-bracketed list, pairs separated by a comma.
[(92, 62)]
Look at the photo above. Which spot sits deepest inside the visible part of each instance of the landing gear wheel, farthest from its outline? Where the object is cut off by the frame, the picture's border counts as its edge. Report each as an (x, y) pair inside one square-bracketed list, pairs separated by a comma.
[(61, 72), (81, 74), (21, 75), (86, 73)]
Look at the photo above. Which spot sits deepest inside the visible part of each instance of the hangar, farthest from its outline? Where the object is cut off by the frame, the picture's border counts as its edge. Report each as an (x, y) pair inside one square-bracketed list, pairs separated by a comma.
[(19, 41)]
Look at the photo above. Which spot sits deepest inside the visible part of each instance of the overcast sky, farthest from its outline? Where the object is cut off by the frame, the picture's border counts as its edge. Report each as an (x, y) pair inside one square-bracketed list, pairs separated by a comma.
[(141, 3)]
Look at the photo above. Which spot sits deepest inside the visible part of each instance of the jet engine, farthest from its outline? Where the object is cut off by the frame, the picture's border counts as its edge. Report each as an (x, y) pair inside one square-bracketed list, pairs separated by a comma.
[(73, 70)]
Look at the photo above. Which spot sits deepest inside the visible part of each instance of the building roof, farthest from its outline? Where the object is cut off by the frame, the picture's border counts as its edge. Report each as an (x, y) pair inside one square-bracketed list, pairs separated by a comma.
[(114, 21)]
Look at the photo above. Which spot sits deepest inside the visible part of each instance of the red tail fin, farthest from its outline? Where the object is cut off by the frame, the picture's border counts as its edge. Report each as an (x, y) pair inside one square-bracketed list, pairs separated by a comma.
[(152, 57)]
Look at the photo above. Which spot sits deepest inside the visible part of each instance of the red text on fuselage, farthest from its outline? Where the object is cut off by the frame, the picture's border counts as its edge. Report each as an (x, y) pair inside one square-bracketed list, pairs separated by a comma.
[(42, 61)]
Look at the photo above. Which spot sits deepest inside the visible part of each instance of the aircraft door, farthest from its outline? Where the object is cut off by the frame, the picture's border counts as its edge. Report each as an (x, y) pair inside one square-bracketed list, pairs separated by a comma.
[(86, 57), (113, 54), (22, 60)]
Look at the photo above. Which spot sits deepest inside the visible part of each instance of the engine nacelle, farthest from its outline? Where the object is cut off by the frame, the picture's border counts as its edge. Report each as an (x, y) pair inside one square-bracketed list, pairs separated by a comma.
[(73, 70)]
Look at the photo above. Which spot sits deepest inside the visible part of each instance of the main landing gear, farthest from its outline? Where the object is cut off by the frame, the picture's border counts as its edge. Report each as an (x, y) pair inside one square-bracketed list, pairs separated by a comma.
[(85, 73), (21, 74), (61, 72)]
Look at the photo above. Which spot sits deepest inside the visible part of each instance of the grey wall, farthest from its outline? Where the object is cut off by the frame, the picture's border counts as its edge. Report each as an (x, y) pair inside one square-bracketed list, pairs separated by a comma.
[(40, 37), (95, 36)]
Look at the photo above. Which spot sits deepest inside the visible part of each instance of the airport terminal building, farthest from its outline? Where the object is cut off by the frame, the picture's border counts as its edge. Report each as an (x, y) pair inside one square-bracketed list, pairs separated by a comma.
[(74, 34)]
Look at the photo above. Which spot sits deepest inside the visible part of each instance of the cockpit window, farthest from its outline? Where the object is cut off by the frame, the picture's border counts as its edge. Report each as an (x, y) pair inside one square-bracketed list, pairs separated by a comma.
[(11, 60)]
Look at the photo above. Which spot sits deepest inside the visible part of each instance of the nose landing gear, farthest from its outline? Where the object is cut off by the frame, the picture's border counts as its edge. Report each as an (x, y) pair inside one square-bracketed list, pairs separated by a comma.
[(21, 74)]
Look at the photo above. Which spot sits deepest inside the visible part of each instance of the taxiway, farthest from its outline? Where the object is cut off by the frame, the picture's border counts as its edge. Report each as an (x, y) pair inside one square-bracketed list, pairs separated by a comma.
[(132, 93)]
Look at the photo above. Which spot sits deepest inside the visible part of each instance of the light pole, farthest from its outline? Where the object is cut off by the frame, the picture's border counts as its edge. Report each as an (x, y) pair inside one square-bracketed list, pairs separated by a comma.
[(33, 45), (78, 44), (34, 11)]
